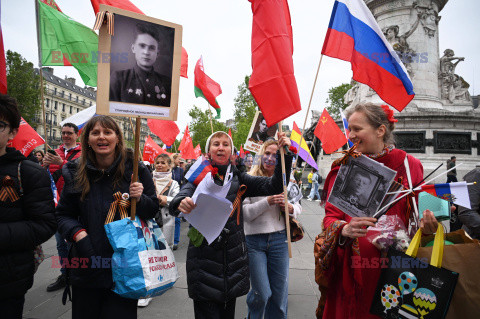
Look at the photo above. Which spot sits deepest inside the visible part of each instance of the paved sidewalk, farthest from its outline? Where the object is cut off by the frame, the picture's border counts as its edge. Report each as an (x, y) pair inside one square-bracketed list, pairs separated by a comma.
[(303, 291)]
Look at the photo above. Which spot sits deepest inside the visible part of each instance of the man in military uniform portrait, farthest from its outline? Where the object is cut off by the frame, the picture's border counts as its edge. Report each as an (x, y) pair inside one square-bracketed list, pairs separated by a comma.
[(141, 84), (358, 188)]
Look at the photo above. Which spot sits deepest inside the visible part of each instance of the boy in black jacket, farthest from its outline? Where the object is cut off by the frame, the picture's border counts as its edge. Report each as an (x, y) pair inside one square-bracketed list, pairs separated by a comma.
[(27, 216)]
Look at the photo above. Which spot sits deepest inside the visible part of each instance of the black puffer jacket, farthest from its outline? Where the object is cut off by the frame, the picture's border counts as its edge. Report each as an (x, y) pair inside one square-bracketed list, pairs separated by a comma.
[(219, 272), (74, 214), (24, 224)]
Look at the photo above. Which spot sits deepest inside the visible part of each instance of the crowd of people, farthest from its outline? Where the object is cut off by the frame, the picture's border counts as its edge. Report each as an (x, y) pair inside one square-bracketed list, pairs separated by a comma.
[(249, 257)]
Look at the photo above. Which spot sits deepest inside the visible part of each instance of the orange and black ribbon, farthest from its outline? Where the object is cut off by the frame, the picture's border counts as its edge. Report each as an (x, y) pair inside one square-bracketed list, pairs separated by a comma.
[(120, 201), (237, 203), (351, 152), (8, 190), (100, 19)]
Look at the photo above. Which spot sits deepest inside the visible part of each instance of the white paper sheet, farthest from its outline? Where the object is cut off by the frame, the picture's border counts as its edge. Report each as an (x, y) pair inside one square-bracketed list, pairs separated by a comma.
[(210, 215)]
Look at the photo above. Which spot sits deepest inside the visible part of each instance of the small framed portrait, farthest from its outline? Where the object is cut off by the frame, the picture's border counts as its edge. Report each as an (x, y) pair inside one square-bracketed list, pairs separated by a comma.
[(139, 66), (293, 193), (259, 133), (360, 186)]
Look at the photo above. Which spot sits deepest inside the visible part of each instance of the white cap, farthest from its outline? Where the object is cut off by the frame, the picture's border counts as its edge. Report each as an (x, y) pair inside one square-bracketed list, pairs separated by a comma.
[(208, 141)]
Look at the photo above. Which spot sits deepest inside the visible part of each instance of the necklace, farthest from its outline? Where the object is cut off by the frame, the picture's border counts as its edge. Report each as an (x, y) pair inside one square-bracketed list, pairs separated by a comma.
[(386, 149)]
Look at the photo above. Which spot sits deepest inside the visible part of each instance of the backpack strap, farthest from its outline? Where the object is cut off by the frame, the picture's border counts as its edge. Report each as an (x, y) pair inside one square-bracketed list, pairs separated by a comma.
[(167, 188)]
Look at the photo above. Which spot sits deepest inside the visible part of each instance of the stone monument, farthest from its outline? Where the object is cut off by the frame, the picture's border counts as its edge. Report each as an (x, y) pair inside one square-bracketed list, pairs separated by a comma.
[(441, 120)]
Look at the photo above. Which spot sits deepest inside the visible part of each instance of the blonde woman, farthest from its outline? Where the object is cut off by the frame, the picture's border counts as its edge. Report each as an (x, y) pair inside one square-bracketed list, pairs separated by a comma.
[(265, 234)]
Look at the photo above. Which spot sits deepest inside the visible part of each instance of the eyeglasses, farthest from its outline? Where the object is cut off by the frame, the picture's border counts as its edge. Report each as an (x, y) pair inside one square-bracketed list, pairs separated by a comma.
[(67, 133), (3, 126)]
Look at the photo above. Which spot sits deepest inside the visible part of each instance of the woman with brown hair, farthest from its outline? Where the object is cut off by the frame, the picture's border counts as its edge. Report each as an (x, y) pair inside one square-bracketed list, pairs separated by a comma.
[(104, 169), (266, 238), (351, 289)]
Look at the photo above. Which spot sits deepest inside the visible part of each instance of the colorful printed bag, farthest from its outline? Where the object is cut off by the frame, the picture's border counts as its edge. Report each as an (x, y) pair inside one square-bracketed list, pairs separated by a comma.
[(143, 264), (412, 288)]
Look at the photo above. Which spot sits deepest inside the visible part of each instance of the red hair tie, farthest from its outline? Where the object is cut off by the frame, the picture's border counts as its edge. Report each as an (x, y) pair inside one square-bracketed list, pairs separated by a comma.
[(389, 114)]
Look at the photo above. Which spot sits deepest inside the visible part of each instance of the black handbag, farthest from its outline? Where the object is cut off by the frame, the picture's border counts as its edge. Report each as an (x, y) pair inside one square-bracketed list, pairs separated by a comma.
[(412, 288)]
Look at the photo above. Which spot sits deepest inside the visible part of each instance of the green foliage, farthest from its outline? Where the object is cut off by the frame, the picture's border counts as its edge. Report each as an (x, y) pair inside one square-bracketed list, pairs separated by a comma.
[(245, 108), (200, 128), (335, 100), (23, 85)]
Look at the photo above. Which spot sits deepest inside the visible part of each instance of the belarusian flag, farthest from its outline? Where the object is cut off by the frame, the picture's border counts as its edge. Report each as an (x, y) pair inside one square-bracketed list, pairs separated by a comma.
[(64, 41), (206, 87)]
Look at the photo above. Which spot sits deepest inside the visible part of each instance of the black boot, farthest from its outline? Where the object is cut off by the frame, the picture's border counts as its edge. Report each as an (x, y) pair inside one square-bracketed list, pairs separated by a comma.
[(60, 283)]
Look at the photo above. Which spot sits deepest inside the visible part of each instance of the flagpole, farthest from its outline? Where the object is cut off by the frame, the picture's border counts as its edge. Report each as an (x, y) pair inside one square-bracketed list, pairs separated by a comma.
[(136, 155), (210, 113), (285, 197), (41, 80), (310, 102)]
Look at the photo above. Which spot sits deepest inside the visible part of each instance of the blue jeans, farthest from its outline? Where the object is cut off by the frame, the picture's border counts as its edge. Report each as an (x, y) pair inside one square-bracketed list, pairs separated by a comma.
[(176, 238), (314, 191), (268, 260), (62, 249)]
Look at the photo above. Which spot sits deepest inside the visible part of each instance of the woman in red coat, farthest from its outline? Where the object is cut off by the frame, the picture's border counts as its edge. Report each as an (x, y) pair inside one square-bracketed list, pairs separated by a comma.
[(355, 264)]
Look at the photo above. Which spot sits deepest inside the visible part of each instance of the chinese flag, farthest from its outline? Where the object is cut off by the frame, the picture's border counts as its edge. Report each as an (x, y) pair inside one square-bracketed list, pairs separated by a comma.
[(167, 131), (151, 150), (198, 151), (329, 133), (273, 83), (27, 139)]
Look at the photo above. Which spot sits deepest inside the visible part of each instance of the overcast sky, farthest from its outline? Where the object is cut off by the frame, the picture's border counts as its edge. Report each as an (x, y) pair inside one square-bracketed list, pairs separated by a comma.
[(220, 30)]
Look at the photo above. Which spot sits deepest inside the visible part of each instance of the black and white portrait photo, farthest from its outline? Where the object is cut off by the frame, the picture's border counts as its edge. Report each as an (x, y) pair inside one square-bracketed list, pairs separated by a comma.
[(293, 193), (138, 65), (259, 133), (141, 64), (360, 186)]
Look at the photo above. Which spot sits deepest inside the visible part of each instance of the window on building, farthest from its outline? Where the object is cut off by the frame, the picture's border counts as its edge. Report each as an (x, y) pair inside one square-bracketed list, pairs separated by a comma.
[(91, 103), (54, 133), (70, 97), (70, 109), (63, 107), (56, 104), (47, 117), (48, 102), (77, 99), (55, 91), (83, 102), (78, 110), (63, 93), (55, 120)]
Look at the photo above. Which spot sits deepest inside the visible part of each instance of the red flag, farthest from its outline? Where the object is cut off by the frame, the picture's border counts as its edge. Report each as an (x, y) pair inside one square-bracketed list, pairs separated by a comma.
[(186, 135), (198, 151), (121, 4), (167, 131), (27, 139), (152, 150), (3, 65), (242, 152), (184, 63), (329, 133), (273, 83), (206, 87), (187, 151), (230, 133)]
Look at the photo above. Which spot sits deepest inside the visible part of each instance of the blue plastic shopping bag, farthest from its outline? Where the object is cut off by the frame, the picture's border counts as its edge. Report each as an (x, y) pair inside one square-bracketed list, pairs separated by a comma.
[(143, 264)]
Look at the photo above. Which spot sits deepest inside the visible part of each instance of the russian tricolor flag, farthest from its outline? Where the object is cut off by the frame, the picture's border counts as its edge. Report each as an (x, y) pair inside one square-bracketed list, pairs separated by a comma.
[(56, 197), (353, 35), (198, 170), (345, 128), (456, 193), (82, 117)]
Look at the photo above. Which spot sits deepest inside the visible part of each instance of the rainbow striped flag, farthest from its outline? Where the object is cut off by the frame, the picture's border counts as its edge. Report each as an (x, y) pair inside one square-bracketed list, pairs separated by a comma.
[(303, 151)]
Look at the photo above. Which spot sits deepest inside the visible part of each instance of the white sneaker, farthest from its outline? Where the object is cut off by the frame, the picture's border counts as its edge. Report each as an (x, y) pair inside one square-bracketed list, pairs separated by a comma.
[(143, 302), (309, 199), (317, 200)]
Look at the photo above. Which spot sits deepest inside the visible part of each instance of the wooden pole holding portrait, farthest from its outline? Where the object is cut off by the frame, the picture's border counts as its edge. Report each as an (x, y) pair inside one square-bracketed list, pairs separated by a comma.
[(285, 195), (132, 83)]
